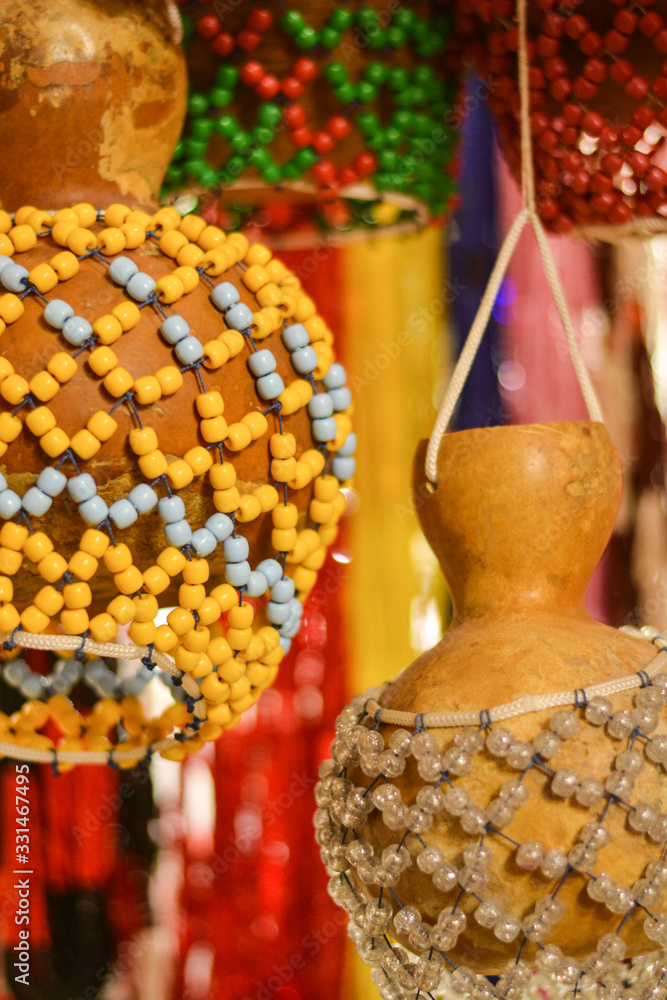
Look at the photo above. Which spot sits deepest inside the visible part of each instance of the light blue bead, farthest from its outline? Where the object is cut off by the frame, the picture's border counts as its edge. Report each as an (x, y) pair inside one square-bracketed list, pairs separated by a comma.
[(174, 329), (32, 687), (122, 269), (3, 482), (10, 503), (235, 549), (171, 509), (134, 686), (261, 363), (95, 670), (283, 590), (94, 511), (61, 685), (143, 497), (5, 262), (277, 613), (295, 336), (296, 607), (239, 317), (270, 386), (324, 430), (35, 502), (52, 481), (57, 312), (140, 286), (225, 295), (320, 405), (72, 670), (123, 513), (343, 468), (335, 378), (286, 643), (14, 278), (290, 629), (81, 487), (15, 672), (271, 570), (221, 526), (189, 350), (76, 330), (256, 584), (178, 533), (237, 573), (342, 398), (203, 542), (349, 447), (304, 360)]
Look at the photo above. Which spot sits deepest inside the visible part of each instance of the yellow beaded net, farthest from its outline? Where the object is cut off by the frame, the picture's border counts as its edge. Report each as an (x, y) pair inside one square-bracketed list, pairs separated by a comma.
[(219, 644)]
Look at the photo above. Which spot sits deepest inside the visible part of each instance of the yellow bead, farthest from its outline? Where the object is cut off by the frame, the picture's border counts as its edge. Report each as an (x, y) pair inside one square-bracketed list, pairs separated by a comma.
[(138, 218), (14, 535), (283, 445), (191, 595), (225, 596), (303, 475), (118, 382), (83, 565), (171, 560), (210, 731), (142, 633), (117, 558), (326, 488), (283, 469), (180, 473), (85, 213), (143, 440), (255, 649), (111, 241), (240, 688), (129, 581), (199, 459), (267, 496), (173, 241), (11, 307), (55, 442), (74, 622), (43, 386), (270, 637), (122, 609), (85, 444), (181, 620), (238, 436), (43, 277), (240, 244), (10, 427), (6, 368), (14, 388), (186, 659), (147, 390), (102, 360), (214, 429), (6, 220), (49, 600), (146, 608), (94, 542), (80, 240), (134, 234), (257, 255), (316, 560), (320, 511), (9, 618), (63, 215), (283, 539), (116, 214), (190, 256), (192, 226), (170, 379), (107, 329), (329, 534), (156, 580), (62, 366), (165, 219), (257, 673), (6, 589), (37, 546), (77, 595), (231, 670), (304, 389), (196, 571), (216, 262), (188, 278), (10, 561), (23, 237), (315, 459), (257, 424), (38, 220), (305, 309), (165, 638), (222, 475), (241, 616), (261, 326), (127, 314), (171, 289), (102, 425), (7, 248), (290, 401), (210, 404), (216, 354), (304, 581), (255, 277), (210, 237), (214, 690), (222, 715), (226, 501), (103, 628), (268, 294), (65, 265), (174, 752), (249, 508), (276, 656), (233, 340), (209, 611)]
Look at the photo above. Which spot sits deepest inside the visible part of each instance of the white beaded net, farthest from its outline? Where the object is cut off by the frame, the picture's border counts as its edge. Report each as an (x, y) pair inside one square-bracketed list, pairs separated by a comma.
[(400, 808)]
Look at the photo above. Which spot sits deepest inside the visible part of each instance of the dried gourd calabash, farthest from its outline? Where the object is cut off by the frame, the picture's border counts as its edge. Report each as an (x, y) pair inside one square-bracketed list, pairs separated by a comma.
[(519, 837), (173, 429)]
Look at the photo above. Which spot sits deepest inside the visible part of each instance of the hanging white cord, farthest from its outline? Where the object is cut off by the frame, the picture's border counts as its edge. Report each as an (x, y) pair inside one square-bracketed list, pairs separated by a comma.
[(528, 213), (175, 21)]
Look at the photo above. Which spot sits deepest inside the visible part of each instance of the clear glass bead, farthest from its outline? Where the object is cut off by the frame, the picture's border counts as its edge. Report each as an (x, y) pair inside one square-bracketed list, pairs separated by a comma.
[(595, 835), (554, 863), (405, 978), (394, 815), (401, 742), (550, 959), (340, 787), (621, 900), (659, 682), (420, 937), (391, 764), (425, 744), (428, 971), (488, 913), (655, 928), (377, 918), (478, 855), (619, 783), (519, 754), (650, 697), (457, 761), (462, 980), (600, 887), (597, 711), (641, 816), (589, 791), (514, 792), (620, 725), (407, 919), (430, 859), (498, 741), (346, 754), (359, 850), (564, 724), (370, 763), (396, 859), (326, 768), (325, 835), (547, 744), (443, 939), (656, 871), (656, 749), (472, 879), (529, 855), (358, 801), (550, 909), (431, 768), (645, 719), (657, 831), (471, 740), (518, 972), (337, 860), (366, 870), (534, 927), (451, 918), (507, 927), (474, 820), (370, 950), (385, 795), (417, 820), (322, 794), (386, 878), (457, 800), (564, 782), (612, 946), (431, 800), (500, 813), (371, 741), (351, 820), (646, 893), (445, 877)]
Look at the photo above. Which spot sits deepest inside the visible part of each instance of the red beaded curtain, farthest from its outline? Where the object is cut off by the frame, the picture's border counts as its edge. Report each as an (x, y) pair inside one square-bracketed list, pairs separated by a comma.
[(258, 923)]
